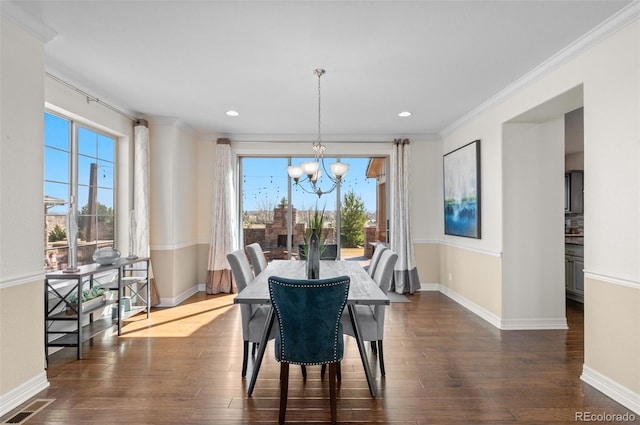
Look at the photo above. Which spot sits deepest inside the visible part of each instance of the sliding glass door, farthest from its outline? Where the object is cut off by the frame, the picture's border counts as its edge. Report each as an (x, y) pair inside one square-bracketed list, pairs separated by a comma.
[(276, 212)]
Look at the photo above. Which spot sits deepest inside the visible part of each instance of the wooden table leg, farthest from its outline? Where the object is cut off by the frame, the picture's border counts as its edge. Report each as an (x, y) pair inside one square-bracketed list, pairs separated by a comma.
[(363, 353), (263, 344)]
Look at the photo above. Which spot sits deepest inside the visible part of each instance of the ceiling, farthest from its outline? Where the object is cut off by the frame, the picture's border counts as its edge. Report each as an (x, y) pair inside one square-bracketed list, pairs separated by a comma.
[(194, 60)]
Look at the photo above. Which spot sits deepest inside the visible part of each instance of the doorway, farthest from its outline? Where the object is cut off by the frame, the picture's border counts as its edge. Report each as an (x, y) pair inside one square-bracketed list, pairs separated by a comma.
[(533, 166)]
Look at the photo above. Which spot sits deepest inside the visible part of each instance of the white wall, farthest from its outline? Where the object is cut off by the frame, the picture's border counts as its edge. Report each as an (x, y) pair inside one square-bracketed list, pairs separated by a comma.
[(174, 188), (21, 220), (609, 71), (533, 276)]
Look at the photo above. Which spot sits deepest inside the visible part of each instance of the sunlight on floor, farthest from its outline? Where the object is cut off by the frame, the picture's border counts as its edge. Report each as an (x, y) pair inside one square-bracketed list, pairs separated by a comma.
[(170, 322)]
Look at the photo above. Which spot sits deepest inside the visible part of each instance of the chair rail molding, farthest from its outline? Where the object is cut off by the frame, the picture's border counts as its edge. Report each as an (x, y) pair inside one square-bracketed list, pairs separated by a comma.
[(32, 277), (457, 245), (612, 279)]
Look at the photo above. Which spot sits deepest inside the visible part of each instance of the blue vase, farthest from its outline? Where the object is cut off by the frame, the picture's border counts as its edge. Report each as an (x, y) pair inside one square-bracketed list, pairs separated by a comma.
[(313, 257)]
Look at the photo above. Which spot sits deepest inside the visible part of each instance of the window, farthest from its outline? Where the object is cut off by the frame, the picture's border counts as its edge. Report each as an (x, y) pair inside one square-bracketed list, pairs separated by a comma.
[(79, 168), (265, 200)]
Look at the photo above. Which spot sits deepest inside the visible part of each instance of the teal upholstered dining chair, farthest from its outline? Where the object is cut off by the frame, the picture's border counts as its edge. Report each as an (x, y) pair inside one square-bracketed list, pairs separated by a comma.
[(308, 315)]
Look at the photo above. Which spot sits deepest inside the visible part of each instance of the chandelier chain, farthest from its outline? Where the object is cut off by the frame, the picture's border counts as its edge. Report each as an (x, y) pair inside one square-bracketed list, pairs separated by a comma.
[(319, 73), (314, 170)]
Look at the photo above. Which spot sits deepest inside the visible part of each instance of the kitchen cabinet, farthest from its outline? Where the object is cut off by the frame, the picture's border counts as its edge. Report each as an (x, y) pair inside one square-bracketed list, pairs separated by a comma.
[(574, 271), (574, 192)]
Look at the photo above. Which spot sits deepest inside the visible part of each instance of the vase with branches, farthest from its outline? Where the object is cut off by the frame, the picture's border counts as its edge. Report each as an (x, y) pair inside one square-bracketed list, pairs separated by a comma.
[(315, 222)]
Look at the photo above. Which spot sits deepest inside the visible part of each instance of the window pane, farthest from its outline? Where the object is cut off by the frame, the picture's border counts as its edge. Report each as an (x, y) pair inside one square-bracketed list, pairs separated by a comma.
[(57, 132), (56, 165), (105, 147), (83, 199), (105, 174), (87, 142), (264, 185), (105, 230), (84, 169), (105, 201), (55, 197), (264, 216)]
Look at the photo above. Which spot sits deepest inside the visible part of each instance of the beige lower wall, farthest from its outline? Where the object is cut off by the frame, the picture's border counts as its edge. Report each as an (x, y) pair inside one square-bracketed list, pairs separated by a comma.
[(21, 334), (203, 262), (612, 331), (427, 256), (474, 276), (175, 271)]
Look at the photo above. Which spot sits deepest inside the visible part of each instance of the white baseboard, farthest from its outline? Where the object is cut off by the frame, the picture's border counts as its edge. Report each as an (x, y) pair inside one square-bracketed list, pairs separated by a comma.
[(473, 307), (611, 389), (503, 324), (429, 287), (533, 324), (172, 302), (24, 392)]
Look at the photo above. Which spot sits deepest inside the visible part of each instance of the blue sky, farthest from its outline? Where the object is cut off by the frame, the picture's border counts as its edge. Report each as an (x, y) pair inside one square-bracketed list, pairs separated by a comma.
[(264, 182)]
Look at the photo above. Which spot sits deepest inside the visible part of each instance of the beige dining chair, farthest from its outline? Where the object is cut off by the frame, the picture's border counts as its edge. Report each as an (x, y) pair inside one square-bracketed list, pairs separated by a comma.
[(375, 258), (254, 317), (371, 317), (258, 259)]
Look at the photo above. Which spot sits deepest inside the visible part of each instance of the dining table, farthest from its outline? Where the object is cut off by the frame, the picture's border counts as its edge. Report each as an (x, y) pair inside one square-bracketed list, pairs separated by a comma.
[(362, 290)]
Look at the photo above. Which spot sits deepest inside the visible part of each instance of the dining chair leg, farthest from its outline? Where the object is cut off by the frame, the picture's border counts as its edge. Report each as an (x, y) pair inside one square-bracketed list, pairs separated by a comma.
[(373, 347), (284, 388), (304, 371), (323, 370), (339, 372), (332, 391), (253, 349), (245, 355), (381, 357)]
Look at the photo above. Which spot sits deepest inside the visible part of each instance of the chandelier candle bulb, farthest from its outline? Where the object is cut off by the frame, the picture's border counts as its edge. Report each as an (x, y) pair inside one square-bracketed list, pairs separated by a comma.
[(309, 167), (339, 169)]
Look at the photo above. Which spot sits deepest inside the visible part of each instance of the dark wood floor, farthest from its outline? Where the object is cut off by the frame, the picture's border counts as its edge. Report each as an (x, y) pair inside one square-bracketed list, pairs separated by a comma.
[(444, 365)]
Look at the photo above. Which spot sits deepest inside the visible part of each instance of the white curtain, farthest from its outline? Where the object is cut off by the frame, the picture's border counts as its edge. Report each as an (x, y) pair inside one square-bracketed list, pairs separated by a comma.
[(405, 274), (141, 200), (224, 237)]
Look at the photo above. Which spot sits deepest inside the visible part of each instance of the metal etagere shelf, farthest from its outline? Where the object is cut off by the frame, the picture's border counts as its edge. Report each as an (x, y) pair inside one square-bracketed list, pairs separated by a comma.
[(69, 324)]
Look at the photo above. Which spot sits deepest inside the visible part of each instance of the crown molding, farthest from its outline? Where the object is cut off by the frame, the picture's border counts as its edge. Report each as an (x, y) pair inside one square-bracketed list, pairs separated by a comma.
[(329, 138), (26, 21), (624, 17)]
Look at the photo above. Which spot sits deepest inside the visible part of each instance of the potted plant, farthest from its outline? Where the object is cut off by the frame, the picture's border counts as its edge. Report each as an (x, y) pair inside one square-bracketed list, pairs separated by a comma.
[(314, 222), (90, 297)]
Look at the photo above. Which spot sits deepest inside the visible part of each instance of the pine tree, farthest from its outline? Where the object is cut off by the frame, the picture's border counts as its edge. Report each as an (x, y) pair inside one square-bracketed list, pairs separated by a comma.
[(353, 217)]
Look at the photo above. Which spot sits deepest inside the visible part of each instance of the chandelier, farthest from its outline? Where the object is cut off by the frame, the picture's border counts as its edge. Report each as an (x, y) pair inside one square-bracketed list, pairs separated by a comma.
[(313, 170)]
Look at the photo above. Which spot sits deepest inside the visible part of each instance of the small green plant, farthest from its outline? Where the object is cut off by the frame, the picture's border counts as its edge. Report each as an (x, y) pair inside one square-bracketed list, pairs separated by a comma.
[(315, 222), (57, 234), (87, 294)]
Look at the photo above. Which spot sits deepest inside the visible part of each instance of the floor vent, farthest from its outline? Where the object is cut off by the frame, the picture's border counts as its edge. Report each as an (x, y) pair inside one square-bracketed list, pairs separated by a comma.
[(22, 416)]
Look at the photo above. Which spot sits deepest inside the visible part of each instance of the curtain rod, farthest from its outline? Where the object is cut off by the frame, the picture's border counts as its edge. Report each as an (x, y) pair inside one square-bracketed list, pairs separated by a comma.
[(91, 98)]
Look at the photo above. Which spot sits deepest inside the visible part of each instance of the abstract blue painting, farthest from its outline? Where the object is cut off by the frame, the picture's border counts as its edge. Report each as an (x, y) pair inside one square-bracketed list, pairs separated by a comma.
[(462, 191)]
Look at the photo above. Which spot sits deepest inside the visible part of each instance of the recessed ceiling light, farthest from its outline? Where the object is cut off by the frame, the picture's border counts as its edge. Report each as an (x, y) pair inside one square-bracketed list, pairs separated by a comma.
[(233, 113), (404, 114)]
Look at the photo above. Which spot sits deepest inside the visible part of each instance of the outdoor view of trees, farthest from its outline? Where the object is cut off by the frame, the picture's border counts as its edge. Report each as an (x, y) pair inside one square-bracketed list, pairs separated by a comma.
[(354, 217)]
